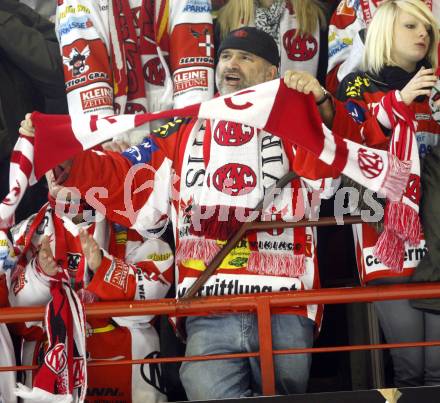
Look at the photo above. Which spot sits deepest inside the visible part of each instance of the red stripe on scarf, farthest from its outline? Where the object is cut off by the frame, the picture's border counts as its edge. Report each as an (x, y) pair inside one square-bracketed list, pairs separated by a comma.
[(25, 165), (303, 117), (57, 145)]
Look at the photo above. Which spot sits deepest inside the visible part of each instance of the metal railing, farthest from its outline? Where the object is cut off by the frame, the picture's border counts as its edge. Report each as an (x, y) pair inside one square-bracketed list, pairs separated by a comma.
[(261, 304)]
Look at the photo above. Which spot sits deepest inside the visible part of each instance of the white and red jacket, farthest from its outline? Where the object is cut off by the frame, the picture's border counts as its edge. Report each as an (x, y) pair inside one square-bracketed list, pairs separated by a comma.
[(170, 55), (170, 168), (132, 268), (345, 47)]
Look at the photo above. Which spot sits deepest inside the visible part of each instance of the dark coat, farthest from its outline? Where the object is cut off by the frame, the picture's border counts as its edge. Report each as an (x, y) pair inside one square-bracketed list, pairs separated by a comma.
[(31, 78), (428, 269)]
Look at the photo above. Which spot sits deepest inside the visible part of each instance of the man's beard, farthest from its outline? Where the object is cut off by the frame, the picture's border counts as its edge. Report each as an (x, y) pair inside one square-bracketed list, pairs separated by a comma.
[(224, 89)]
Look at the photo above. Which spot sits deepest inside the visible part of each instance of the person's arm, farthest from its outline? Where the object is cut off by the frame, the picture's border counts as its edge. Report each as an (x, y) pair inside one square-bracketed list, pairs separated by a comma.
[(191, 52), (28, 40), (305, 83), (84, 44), (145, 273)]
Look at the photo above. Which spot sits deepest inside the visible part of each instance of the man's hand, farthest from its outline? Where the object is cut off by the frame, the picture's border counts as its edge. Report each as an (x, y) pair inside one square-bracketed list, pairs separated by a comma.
[(26, 126), (45, 258), (91, 250), (116, 146), (420, 84), (304, 82)]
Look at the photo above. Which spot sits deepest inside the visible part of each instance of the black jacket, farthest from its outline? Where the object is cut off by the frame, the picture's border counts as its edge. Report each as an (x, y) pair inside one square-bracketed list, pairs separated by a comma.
[(31, 70), (31, 78)]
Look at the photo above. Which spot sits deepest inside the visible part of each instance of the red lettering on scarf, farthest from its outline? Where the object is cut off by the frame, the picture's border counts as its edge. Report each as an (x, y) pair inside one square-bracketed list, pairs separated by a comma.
[(232, 134), (78, 372), (412, 191), (18, 279), (94, 121), (299, 47), (56, 358), (234, 179), (230, 104), (370, 163), (15, 193)]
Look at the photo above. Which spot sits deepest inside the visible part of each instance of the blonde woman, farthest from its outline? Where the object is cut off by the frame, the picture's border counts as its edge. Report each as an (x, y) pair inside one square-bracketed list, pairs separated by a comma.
[(399, 61), (346, 36), (298, 27)]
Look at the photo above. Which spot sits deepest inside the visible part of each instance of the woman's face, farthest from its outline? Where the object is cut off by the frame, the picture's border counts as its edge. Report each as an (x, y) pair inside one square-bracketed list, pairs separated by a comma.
[(410, 41)]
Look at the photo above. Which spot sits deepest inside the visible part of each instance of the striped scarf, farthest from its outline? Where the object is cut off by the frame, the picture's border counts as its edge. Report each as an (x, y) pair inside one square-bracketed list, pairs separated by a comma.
[(267, 106)]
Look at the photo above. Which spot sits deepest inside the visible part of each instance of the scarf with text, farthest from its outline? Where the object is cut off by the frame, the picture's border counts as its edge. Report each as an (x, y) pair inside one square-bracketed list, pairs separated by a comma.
[(401, 221), (62, 376), (267, 106), (241, 164)]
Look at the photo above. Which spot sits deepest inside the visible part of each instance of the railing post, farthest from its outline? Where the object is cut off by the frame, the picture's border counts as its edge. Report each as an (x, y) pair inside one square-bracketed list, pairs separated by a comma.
[(266, 348)]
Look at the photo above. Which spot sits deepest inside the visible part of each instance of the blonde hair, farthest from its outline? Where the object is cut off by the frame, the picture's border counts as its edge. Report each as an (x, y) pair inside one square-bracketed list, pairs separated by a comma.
[(380, 34), (238, 13)]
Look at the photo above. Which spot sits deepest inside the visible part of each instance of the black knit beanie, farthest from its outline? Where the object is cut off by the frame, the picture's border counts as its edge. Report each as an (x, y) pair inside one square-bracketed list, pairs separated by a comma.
[(254, 41)]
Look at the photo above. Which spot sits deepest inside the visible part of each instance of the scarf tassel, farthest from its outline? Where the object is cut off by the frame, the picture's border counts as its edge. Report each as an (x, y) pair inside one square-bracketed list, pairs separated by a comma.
[(396, 178), (404, 220), (271, 264), (40, 395), (390, 250), (199, 249), (401, 222)]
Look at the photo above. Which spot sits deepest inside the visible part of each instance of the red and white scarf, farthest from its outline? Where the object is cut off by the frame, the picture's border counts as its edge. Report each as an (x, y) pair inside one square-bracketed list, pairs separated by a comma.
[(62, 377), (267, 106), (129, 88), (402, 222), (212, 212)]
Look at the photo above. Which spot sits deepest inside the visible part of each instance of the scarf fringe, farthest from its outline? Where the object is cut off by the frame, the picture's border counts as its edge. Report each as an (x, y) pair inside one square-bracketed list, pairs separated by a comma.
[(86, 296), (271, 264), (404, 221), (396, 178), (40, 395), (390, 250), (200, 249)]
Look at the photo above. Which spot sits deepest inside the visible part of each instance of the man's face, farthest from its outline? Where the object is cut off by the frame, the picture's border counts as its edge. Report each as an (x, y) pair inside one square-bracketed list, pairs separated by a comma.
[(238, 69)]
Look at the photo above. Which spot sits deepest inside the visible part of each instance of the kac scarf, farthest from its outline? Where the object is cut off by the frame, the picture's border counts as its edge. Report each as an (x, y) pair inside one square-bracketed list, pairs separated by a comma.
[(402, 222), (62, 377), (241, 164)]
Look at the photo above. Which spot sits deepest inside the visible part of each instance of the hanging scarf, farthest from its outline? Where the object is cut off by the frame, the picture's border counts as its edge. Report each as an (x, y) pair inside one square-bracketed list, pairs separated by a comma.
[(129, 88), (63, 371), (62, 376), (401, 223), (256, 159), (268, 19)]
